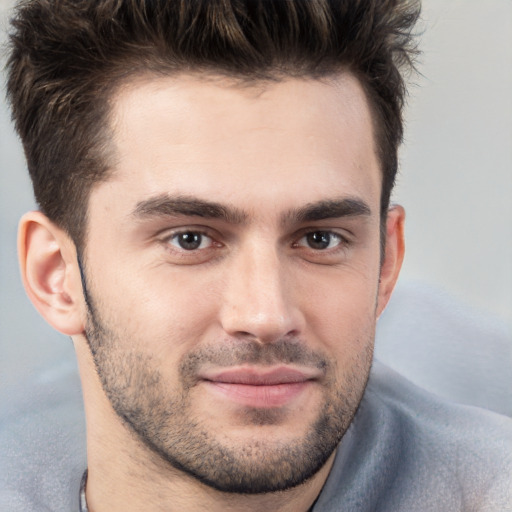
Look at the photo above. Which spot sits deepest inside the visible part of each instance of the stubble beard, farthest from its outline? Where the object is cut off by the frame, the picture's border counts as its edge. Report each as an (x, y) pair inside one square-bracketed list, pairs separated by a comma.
[(165, 423)]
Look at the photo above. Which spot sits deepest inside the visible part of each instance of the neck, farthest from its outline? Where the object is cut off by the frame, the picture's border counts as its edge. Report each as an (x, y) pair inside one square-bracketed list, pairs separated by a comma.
[(115, 486)]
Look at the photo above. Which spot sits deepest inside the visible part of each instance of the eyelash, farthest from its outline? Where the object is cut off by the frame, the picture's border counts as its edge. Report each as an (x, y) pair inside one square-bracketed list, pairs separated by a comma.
[(168, 240), (196, 255), (341, 240)]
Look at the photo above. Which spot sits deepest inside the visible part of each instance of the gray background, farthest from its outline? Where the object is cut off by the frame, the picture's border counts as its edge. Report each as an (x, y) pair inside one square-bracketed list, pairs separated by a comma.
[(455, 183)]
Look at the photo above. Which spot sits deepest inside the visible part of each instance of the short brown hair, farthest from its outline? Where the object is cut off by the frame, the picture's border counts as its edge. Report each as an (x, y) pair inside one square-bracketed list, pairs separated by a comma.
[(68, 56)]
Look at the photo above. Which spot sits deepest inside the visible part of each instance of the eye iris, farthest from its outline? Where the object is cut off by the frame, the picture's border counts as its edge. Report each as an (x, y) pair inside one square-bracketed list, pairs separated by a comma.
[(319, 239), (189, 241)]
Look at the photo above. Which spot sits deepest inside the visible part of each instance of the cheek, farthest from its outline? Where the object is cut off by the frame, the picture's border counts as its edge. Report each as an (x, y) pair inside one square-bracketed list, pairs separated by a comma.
[(342, 313), (156, 310)]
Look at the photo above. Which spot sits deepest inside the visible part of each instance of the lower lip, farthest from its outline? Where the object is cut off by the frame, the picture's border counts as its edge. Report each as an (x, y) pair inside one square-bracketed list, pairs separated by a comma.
[(266, 396)]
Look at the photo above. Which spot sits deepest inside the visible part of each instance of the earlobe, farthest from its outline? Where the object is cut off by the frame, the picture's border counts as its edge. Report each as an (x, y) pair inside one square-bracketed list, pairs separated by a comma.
[(393, 255), (49, 271)]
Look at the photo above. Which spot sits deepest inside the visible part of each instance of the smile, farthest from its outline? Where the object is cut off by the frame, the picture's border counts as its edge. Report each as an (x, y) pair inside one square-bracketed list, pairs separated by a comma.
[(261, 389)]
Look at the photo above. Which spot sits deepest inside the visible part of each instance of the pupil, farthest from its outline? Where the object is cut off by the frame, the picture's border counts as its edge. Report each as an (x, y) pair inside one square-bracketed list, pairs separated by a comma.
[(319, 240), (189, 241)]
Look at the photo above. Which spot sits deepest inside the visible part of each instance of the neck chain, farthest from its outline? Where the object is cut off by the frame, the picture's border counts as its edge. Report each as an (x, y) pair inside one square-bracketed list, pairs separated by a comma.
[(82, 499)]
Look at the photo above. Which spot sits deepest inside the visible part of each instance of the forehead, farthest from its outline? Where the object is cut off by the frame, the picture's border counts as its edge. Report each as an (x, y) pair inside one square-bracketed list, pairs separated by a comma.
[(188, 134)]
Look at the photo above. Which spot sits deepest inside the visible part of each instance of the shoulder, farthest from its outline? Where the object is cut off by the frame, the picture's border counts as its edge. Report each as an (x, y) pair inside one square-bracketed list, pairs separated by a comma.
[(423, 414), (408, 450), (42, 442)]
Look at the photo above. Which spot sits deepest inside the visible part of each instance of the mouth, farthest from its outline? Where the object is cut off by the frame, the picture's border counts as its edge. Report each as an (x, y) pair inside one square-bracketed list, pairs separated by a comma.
[(260, 388)]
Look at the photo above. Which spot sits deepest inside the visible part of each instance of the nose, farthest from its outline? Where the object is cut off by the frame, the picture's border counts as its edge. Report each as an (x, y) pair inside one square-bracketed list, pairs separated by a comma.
[(258, 299)]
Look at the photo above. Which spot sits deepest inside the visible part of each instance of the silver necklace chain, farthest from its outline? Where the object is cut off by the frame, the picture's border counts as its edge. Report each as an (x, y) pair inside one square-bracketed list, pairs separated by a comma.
[(83, 500)]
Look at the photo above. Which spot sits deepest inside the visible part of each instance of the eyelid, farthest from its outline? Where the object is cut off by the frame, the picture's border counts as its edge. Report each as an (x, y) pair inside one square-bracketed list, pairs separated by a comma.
[(169, 232), (204, 237), (330, 256), (165, 236), (344, 235), (341, 241), (176, 255)]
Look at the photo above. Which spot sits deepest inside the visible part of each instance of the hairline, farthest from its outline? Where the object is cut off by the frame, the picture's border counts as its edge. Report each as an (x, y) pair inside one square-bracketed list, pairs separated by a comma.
[(224, 78)]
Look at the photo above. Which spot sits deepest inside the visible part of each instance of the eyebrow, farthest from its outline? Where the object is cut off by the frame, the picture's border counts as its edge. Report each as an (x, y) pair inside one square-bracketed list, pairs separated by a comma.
[(165, 205), (329, 209), (189, 206)]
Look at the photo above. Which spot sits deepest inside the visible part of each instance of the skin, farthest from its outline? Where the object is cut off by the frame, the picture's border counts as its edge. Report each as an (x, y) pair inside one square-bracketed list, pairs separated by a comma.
[(293, 164)]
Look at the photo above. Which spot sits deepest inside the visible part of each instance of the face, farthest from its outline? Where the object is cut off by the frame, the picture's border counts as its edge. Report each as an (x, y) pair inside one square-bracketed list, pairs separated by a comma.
[(232, 272)]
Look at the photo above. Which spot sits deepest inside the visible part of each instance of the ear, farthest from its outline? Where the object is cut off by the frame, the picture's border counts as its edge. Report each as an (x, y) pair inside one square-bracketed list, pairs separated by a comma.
[(50, 273), (393, 255)]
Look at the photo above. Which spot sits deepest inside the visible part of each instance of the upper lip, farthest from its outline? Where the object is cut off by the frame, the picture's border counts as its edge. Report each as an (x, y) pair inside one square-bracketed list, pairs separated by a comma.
[(260, 376)]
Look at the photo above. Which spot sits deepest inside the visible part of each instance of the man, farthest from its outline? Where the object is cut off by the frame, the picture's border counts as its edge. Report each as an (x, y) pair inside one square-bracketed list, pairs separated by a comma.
[(215, 235)]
